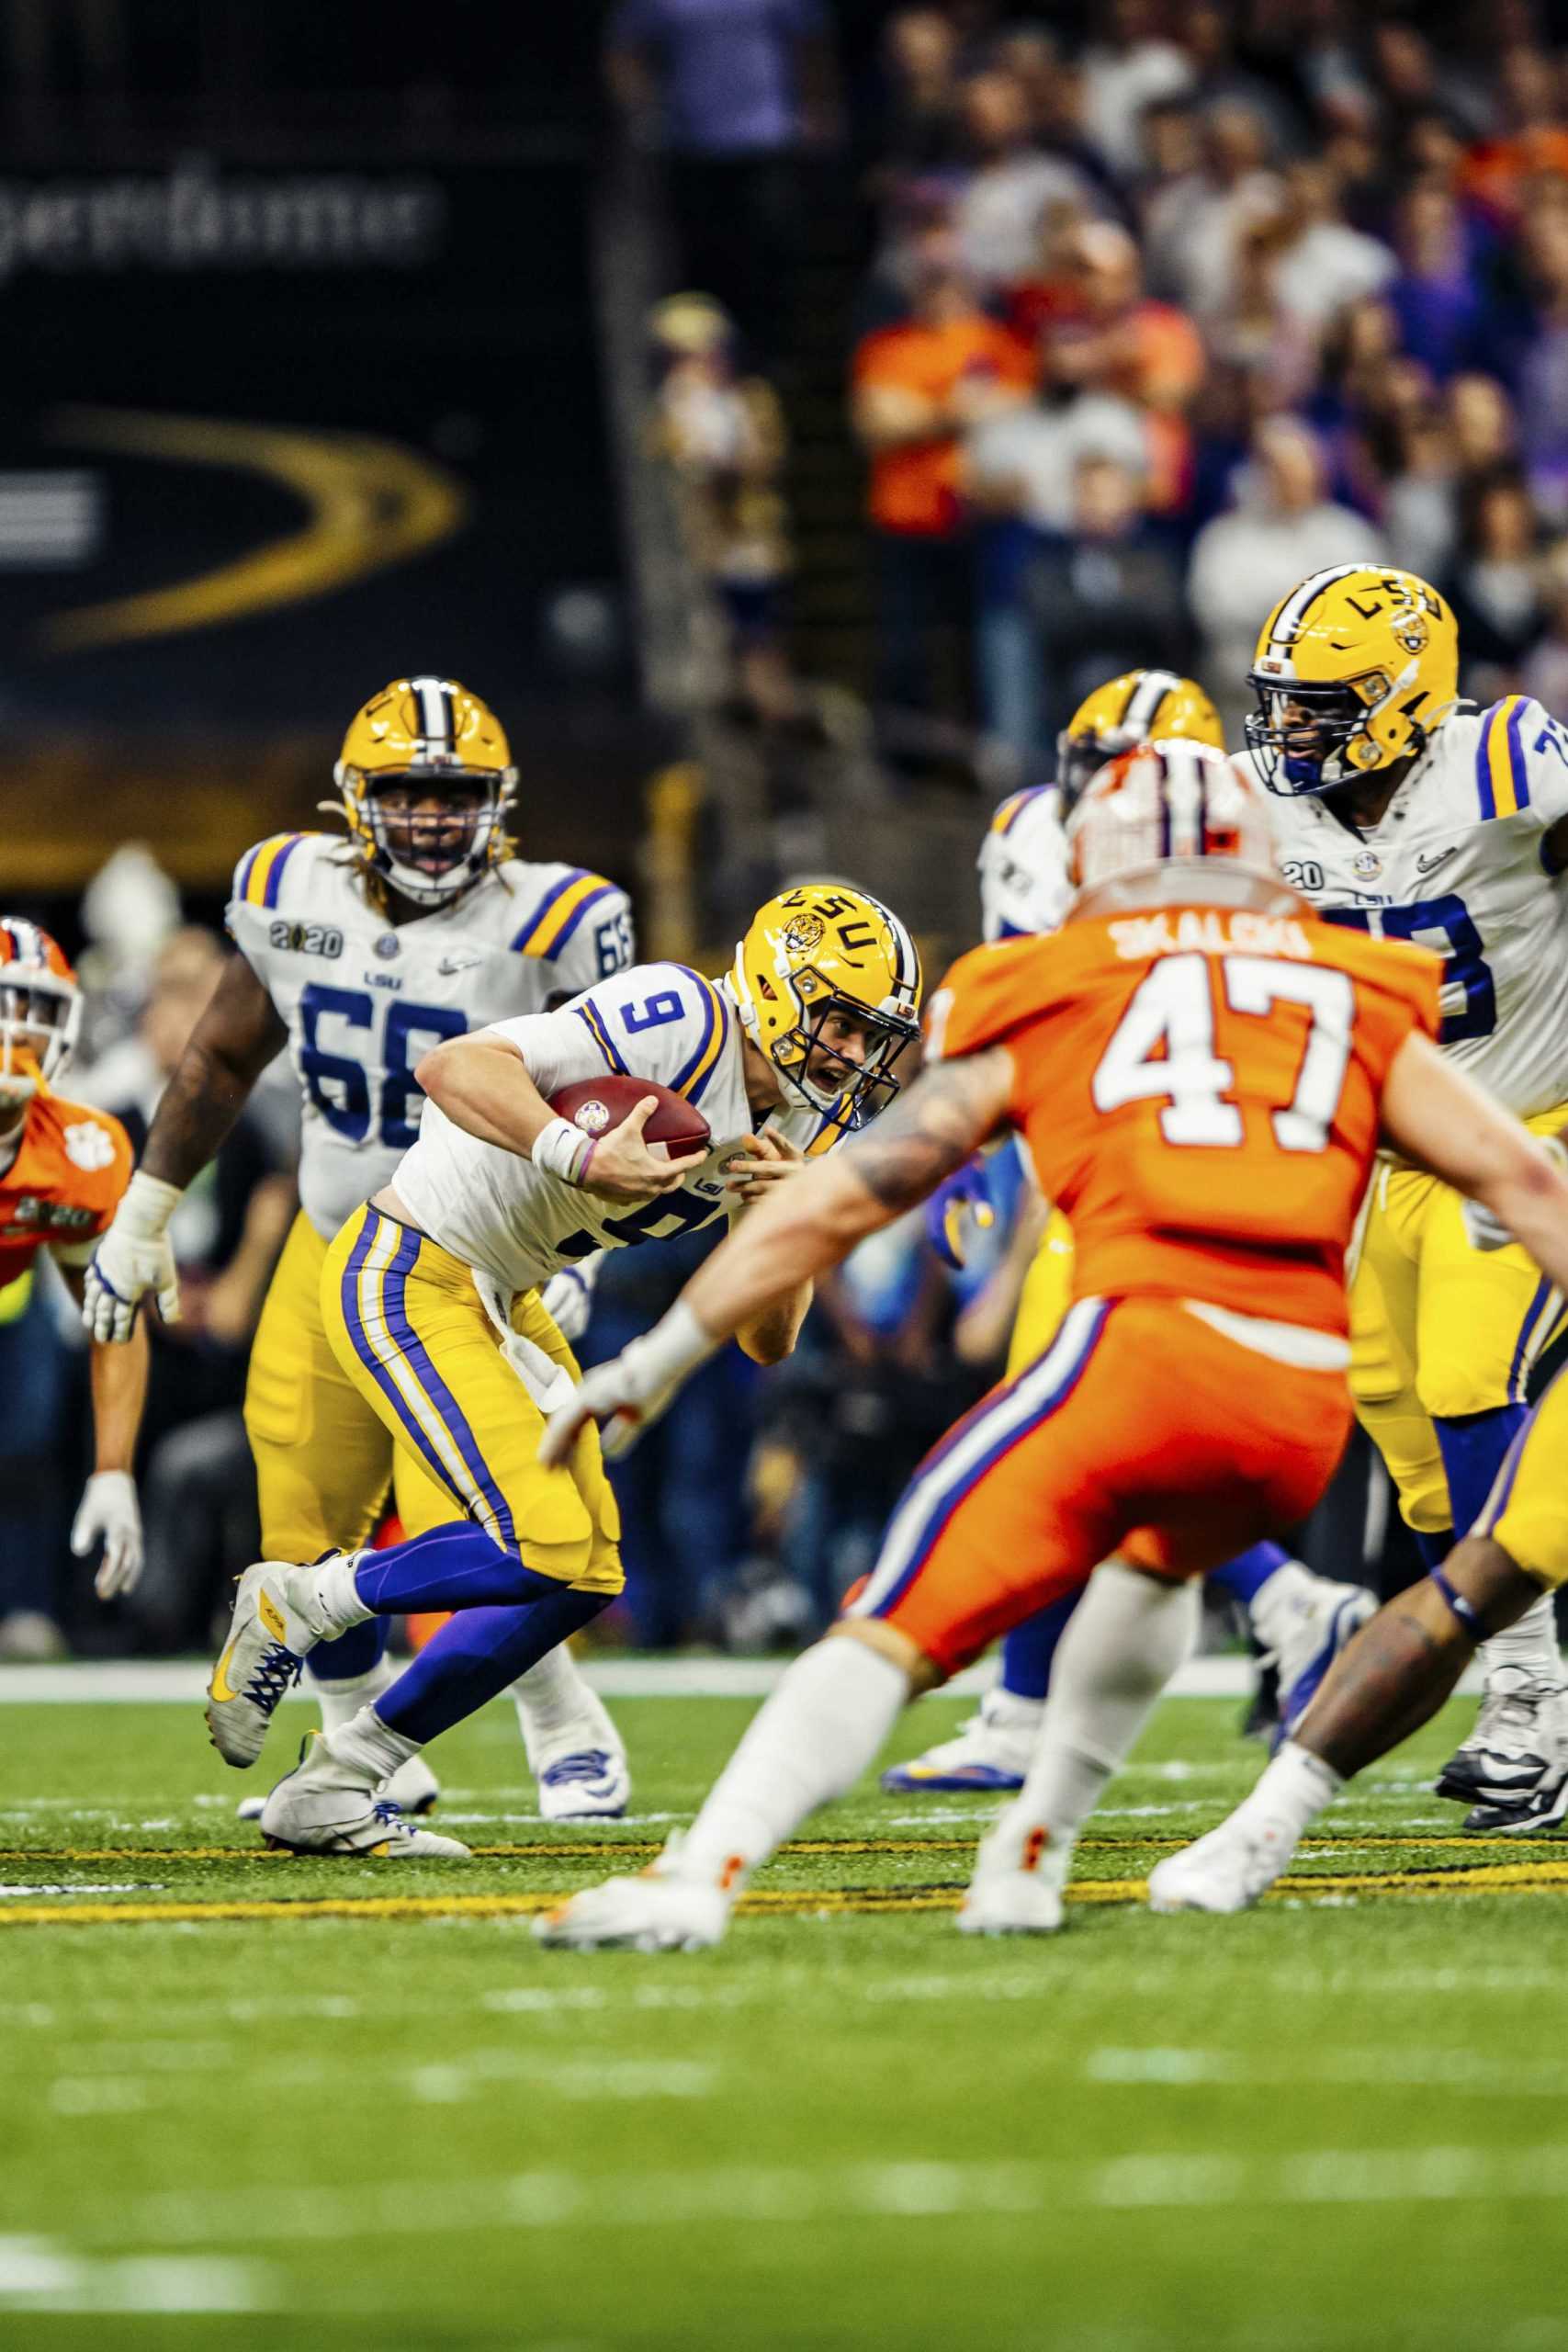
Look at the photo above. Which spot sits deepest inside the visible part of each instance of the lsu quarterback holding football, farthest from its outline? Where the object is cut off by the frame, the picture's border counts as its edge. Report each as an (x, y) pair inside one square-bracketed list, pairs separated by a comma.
[(360, 954)]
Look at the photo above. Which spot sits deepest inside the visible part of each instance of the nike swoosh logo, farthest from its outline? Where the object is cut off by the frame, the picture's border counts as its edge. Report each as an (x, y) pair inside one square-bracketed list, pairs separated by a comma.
[(218, 1688), (1430, 865)]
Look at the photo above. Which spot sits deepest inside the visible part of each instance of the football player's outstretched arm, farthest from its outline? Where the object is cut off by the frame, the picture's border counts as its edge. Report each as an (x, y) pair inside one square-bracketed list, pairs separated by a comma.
[(809, 1225), (236, 1037), (230, 1046), (108, 1509), (1436, 1115)]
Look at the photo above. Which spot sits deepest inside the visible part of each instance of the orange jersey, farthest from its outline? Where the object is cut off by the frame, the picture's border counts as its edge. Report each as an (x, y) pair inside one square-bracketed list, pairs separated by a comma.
[(64, 1183), (1200, 1089)]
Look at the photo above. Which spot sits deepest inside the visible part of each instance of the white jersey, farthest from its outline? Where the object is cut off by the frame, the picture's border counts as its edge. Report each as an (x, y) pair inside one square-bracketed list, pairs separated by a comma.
[(362, 1000), (1024, 865), (519, 1224), (1456, 863)]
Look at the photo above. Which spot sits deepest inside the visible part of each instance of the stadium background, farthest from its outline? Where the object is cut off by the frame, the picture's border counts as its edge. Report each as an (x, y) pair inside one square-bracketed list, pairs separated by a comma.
[(335, 352)]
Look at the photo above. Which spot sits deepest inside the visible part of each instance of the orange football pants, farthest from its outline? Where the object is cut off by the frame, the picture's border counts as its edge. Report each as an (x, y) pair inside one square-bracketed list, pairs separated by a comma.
[(1143, 1431)]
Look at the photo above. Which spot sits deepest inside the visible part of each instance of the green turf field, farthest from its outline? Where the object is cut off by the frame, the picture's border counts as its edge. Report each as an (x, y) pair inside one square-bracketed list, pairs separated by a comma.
[(286, 2104)]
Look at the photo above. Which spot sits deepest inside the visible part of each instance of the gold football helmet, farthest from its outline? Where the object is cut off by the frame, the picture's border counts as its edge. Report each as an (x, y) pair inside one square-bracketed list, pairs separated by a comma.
[(819, 950), (1357, 668), (427, 783), (1131, 709)]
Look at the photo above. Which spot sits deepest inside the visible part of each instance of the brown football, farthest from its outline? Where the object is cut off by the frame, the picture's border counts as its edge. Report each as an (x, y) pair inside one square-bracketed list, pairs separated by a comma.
[(597, 1104)]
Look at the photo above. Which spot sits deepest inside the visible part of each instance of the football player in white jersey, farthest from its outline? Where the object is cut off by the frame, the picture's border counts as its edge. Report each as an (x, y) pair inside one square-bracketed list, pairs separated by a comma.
[(1301, 1620), (431, 1301), (1413, 815), (360, 954)]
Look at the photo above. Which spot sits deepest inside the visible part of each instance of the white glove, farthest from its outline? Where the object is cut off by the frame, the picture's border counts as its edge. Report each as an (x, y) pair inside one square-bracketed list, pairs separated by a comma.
[(632, 1389), (108, 1509), (132, 1257), (1484, 1228), (568, 1297)]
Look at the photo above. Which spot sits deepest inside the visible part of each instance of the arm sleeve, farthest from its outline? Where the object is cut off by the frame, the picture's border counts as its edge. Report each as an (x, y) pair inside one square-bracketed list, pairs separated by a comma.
[(657, 1021), (600, 942), (1522, 762)]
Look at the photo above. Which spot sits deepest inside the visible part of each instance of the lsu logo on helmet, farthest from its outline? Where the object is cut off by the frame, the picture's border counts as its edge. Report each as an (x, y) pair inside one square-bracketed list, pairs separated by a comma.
[(426, 783), (1355, 669), (815, 951), (1131, 709), (40, 1011)]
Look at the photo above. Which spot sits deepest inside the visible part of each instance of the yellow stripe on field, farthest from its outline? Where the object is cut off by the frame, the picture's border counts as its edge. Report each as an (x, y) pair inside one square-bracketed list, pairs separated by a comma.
[(1504, 1878)]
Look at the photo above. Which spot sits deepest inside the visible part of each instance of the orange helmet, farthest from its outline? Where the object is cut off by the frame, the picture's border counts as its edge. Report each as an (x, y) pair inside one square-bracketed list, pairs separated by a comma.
[(1163, 813), (40, 1009)]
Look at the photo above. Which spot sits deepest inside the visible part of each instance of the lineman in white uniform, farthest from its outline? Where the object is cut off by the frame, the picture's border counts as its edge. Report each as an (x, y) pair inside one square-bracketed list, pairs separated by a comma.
[(431, 1302), (1414, 816), (361, 954)]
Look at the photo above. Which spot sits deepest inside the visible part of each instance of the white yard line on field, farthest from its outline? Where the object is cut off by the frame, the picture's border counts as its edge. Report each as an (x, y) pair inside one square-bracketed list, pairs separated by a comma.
[(41, 2275), (181, 1682), (791, 2195)]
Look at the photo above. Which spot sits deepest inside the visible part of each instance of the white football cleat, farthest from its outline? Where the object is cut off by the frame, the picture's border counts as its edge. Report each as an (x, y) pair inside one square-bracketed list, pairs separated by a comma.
[(581, 1765), (1517, 1755), (325, 1807), (1308, 1636), (990, 1754), (413, 1789), (1019, 1875), (663, 1910), (270, 1640), (1226, 1871)]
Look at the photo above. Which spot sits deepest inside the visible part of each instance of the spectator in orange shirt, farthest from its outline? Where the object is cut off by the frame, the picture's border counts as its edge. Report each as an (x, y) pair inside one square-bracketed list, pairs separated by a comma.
[(1107, 335), (917, 387), (1534, 143)]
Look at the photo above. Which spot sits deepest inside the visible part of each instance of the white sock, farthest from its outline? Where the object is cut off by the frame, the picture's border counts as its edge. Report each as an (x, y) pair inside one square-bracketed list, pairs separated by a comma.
[(1290, 1590), (549, 1696), (1123, 1642), (1530, 1642), (341, 1701), (367, 1750), (1293, 1790), (812, 1740), (332, 1596)]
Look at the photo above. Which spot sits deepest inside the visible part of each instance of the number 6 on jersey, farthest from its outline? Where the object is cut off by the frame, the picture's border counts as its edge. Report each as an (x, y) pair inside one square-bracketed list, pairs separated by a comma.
[(1165, 1046)]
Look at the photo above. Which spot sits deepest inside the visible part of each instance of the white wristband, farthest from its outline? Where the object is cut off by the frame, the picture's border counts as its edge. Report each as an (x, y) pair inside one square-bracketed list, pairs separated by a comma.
[(670, 1352), (562, 1150), (148, 1205)]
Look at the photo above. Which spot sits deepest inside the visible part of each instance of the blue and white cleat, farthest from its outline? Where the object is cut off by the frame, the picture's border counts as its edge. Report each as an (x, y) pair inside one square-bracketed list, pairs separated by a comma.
[(327, 1807), (1309, 1641), (413, 1789), (269, 1642), (988, 1755), (581, 1765)]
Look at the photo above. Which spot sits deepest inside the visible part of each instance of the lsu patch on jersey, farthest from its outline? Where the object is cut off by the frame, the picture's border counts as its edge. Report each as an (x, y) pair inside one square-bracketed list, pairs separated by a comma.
[(64, 1184), (1024, 886), (362, 1000), (1199, 1093), (519, 1223), (1455, 864)]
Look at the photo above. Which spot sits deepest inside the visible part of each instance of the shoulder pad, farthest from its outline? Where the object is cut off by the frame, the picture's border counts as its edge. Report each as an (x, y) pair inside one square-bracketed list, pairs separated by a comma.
[(555, 898), (1501, 777), (258, 877)]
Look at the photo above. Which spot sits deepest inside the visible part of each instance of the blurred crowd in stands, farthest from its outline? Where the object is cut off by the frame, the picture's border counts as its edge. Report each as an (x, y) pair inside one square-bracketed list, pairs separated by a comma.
[(1166, 305)]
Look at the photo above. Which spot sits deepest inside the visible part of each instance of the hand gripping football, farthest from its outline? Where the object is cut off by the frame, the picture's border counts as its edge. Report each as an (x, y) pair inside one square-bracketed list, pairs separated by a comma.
[(597, 1104)]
